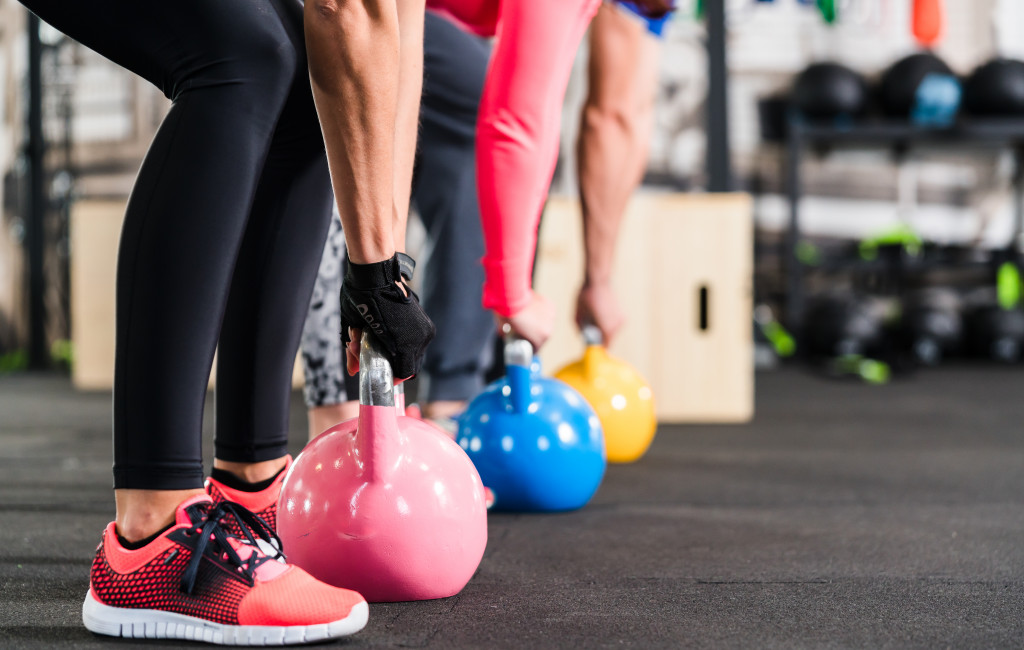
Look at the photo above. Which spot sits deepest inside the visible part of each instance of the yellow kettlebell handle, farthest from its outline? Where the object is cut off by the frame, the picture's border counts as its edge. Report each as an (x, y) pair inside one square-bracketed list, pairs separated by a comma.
[(595, 353)]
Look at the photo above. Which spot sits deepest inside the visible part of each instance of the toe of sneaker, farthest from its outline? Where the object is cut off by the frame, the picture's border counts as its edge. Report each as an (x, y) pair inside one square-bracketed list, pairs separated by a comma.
[(296, 598)]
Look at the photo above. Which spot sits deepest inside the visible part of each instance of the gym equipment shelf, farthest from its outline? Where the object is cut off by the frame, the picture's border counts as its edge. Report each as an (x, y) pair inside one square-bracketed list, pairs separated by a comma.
[(898, 136)]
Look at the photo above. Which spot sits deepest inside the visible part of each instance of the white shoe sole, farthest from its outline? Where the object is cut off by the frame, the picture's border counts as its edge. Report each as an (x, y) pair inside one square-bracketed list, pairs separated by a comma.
[(156, 624)]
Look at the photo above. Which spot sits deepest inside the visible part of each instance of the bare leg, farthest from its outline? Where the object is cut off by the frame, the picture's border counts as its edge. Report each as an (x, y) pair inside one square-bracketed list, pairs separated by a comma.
[(322, 418), (443, 408)]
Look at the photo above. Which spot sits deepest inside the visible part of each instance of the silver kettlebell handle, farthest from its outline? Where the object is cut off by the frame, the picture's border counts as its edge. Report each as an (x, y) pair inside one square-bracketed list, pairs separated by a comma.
[(376, 381), (592, 335), (518, 351)]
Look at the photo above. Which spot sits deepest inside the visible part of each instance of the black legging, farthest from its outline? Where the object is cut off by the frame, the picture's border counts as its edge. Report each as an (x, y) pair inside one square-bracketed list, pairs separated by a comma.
[(223, 230)]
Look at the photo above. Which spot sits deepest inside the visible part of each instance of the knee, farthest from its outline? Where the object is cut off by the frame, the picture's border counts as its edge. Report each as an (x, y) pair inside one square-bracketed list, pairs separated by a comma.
[(257, 64), (274, 62)]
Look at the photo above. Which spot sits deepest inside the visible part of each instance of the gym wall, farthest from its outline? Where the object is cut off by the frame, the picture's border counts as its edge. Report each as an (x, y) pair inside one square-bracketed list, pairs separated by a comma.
[(849, 194)]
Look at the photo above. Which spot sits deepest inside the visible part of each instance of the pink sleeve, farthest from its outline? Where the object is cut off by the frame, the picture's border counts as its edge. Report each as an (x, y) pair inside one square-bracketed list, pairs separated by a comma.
[(517, 136), (478, 17)]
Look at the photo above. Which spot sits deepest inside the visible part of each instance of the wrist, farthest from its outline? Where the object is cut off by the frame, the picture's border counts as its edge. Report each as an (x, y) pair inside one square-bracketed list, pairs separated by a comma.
[(596, 280), (370, 252), (375, 274)]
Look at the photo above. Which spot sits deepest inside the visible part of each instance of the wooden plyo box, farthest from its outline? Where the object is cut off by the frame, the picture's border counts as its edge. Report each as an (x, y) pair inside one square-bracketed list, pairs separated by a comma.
[(683, 275), (95, 233)]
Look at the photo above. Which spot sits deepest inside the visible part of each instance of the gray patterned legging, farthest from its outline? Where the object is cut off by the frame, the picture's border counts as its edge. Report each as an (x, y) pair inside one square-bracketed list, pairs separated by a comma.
[(321, 341)]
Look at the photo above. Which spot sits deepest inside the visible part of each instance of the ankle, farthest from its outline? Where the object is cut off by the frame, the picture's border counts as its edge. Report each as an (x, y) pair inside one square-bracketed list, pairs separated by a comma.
[(252, 472), (144, 513), (230, 480), (443, 409)]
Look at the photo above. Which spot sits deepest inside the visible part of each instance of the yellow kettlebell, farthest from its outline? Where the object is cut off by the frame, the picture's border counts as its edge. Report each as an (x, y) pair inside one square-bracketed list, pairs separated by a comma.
[(622, 399)]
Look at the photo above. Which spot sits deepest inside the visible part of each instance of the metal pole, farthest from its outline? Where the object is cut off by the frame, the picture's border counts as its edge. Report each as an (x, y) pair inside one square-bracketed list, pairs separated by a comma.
[(793, 267), (1018, 202), (39, 356), (719, 166)]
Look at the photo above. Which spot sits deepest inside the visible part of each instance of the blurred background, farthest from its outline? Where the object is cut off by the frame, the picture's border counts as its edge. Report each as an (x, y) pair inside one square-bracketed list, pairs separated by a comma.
[(831, 211), (884, 236)]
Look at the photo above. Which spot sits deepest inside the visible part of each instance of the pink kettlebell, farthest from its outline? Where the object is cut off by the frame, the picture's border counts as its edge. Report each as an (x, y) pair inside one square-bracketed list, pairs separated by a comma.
[(384, 504)]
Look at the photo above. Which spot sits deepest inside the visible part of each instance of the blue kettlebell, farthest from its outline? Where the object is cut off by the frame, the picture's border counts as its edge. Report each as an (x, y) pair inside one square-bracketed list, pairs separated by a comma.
[(535, 441)]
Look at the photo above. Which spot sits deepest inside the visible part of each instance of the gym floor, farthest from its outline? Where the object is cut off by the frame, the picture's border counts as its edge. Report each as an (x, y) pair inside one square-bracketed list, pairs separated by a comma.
[(845, 515)]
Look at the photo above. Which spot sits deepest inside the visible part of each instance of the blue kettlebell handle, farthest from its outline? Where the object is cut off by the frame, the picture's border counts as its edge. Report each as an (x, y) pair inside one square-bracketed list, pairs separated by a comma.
[(518, 356)]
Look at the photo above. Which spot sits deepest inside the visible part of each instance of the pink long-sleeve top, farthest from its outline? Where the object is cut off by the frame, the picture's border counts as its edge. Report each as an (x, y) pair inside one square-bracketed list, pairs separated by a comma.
[(518, 127)]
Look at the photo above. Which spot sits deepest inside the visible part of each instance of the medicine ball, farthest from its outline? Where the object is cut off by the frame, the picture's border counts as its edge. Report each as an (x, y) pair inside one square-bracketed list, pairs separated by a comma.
[(897, 91), (829, 90), (996, 88), (996, 333)]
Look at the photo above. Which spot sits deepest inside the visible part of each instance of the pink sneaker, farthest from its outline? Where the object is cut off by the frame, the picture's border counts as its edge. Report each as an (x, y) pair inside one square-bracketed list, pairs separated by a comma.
[(263, 504), (197, 582)]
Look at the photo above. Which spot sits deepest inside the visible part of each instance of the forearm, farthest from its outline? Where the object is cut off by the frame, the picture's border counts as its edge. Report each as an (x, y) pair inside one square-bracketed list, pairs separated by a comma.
[(609, 169), (614, 131), (410, 87), (353, 49), (517, 139)]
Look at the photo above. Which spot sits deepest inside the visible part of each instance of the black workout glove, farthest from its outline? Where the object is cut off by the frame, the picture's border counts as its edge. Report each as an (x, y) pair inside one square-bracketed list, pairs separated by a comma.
[(371, 300)]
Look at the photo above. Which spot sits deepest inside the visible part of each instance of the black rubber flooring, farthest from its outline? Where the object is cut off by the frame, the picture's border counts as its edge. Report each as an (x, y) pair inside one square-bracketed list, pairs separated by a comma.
[(845, 515)]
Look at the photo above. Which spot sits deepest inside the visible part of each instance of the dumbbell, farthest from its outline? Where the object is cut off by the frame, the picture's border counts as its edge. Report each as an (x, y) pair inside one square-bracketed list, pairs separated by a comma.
[(843, 324), (384, 504), (536, 442), (996, 333), (620, 396), (932, 323)]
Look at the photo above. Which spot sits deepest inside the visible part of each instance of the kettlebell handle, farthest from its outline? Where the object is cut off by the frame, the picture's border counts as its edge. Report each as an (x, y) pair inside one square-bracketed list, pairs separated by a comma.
[(376, 381), (594, 352), (518, 351), (592, 335), (518, 358)]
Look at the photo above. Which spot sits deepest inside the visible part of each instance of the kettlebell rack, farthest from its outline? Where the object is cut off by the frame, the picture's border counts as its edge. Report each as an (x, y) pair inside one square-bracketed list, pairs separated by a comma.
[(898, 136)]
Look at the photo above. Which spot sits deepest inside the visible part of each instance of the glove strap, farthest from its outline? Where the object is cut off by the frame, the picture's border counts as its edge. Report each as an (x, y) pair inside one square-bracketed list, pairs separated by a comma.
[(375, 275), (406, 265), (382, 274)]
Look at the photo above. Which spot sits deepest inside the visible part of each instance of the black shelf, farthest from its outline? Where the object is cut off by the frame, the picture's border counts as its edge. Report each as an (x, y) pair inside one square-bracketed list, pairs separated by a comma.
[(899, 136)]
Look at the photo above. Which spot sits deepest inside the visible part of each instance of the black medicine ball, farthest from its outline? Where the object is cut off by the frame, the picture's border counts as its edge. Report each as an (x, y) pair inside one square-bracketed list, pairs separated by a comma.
[(898, 88), (829, 90), (996, 88)]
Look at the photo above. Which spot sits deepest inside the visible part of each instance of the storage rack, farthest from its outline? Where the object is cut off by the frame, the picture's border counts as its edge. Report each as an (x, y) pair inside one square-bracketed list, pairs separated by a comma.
[(899, 136)]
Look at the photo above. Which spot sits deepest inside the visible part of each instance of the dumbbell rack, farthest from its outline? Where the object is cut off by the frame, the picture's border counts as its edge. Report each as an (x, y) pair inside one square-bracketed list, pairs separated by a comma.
[(899, 136)]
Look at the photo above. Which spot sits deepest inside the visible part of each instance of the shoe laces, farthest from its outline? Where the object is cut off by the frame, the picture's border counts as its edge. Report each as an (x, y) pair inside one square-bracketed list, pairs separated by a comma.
[(208, 523)]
